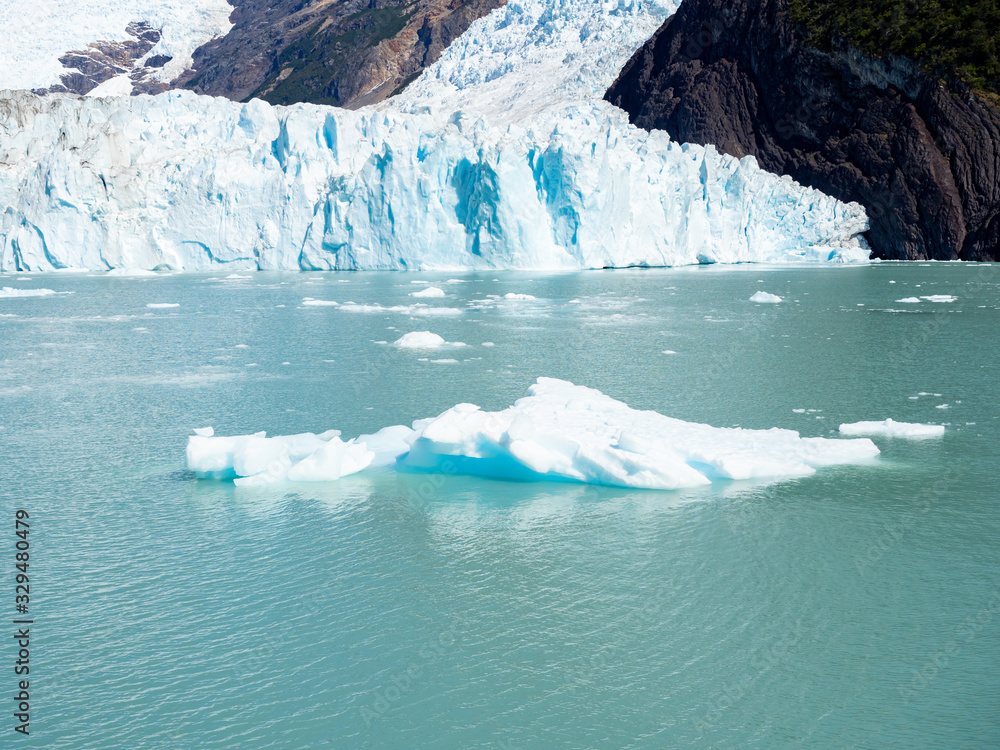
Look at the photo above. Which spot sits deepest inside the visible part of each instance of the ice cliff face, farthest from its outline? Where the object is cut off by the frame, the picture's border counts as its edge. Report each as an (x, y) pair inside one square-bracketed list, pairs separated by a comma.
[(501, 155)]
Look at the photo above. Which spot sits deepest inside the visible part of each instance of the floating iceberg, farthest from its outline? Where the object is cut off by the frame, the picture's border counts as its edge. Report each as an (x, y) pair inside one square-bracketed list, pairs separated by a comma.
[(256, 459), (765, 297), (421, 340), (559, 432), (501, 155), (929, 298), (431, 291), (9, 292), (890, 428)]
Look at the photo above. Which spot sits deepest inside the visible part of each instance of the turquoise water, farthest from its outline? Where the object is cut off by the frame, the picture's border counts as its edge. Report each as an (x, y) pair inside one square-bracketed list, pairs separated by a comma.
[(858, 608)]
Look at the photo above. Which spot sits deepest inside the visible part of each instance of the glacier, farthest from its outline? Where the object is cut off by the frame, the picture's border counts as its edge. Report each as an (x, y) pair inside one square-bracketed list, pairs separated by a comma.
[(37, 34), (559, 432), (501, 155)]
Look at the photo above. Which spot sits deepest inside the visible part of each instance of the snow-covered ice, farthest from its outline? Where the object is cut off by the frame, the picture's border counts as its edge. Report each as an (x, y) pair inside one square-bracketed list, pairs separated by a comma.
[(424, 340), (765, 297), (9, 292), (37, 33), (559, 432), (257, 459), (431, 291), (929, 298), (418, 309), (891, 428), (503, 154), (420, 340)]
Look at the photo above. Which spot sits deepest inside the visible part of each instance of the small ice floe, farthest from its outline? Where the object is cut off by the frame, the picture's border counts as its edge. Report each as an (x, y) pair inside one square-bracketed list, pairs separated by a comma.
[(423, 340), (488, 343), (431, 291), (942, 406), (418, 309), (891, 428), (204, 431), (9, 292), (310, 302), (444, 361), (928, 298), (162, 305), (237, 277), (517, 296), (253, 460), (669, 351), (765, 297)]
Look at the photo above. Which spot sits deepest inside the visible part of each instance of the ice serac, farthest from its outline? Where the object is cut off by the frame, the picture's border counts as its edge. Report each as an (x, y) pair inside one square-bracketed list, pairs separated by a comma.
[(502, 155), (559, 432)]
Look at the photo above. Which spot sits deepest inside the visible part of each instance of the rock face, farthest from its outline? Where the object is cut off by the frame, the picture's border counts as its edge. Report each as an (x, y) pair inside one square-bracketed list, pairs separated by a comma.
[(920, 153), (102, 61), (348, 53)]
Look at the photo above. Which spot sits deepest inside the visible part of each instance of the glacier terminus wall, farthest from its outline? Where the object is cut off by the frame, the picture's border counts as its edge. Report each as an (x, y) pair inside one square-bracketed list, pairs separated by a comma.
[(501, 155)]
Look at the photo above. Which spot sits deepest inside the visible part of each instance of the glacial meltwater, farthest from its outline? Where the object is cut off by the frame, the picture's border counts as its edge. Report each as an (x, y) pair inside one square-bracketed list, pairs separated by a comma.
[(858, 607)]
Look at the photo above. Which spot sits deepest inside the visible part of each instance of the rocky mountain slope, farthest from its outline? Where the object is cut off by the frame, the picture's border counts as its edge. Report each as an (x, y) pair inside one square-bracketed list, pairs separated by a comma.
[(919, 149), (348, 53), (345, 53)]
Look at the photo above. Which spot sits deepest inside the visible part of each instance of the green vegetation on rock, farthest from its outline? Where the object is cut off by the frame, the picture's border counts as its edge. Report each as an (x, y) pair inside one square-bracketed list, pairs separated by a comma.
[(316, 61), (943, 36)]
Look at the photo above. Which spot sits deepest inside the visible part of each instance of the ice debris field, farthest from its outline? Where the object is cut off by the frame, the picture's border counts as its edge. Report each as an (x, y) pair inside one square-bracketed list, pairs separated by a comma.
[(559, 432), (502, 154)]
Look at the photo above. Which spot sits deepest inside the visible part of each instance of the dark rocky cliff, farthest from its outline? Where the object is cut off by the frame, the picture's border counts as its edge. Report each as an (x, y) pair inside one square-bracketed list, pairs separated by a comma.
[(919, 151)]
